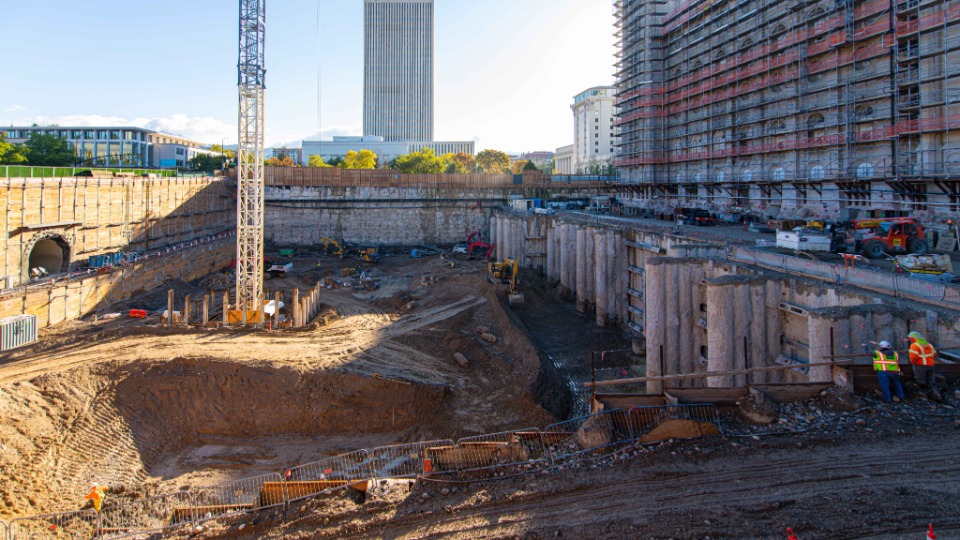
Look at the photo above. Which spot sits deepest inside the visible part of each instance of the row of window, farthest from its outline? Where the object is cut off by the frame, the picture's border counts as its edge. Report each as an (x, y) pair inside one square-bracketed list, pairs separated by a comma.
[(76, 134), (863, 171)]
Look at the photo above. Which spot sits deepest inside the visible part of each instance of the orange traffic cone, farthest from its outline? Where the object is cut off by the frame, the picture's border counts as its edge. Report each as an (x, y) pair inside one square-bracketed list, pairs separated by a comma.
[(790, 535), (930, 534)]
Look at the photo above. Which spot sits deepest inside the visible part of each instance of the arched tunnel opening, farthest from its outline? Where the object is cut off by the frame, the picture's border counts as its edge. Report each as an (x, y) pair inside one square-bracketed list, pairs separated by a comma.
[(51, 254)]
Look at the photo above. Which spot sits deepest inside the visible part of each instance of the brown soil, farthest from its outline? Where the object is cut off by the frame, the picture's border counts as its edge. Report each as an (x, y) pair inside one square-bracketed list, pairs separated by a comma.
[(150, 409)]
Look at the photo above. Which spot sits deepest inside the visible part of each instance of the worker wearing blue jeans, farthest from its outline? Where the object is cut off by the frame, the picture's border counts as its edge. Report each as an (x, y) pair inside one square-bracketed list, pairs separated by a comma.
[(886, 363)]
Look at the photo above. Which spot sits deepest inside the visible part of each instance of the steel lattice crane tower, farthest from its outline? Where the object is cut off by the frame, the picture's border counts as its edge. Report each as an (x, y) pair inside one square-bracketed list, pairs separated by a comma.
[(252, 74)]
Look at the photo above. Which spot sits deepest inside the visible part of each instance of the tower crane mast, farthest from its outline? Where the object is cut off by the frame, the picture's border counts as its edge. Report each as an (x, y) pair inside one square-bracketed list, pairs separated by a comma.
[(251, 78)]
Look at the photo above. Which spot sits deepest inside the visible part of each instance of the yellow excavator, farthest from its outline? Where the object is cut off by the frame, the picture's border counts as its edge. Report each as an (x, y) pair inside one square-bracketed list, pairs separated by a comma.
[(507, 272), (332, 247)]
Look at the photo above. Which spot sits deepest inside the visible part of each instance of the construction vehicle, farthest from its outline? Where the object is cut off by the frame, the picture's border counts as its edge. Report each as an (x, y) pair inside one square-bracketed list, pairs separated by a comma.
[(875, 237), (507, 272), (475, 247), (332, 247), (929, 267), (369, 255)]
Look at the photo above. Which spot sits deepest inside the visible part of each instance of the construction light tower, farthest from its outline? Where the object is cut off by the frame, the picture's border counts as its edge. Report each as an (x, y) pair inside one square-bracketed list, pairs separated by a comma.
[(252, 74)]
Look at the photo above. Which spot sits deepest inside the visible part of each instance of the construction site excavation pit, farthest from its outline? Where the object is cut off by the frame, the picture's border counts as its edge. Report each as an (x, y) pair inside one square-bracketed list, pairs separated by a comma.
[(150, 409)]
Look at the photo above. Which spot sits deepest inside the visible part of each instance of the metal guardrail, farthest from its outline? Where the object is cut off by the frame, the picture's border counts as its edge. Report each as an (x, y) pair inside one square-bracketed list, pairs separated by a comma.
[(28, 171), (78, 524), (143, 517), (528, 448), (899, 286)]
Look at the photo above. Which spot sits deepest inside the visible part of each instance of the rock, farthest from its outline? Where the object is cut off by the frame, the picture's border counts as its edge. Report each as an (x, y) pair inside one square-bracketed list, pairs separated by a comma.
[(461, 359), (594, 433), (326, 521), (425, 496), (759, 413), (444, 491), (838, 400), (242, 526), (483, 330), (489, 338)]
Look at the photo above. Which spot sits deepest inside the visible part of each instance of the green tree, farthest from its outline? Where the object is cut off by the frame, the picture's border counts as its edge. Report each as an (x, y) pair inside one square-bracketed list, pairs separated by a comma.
[(364, 159), (317, 161), (49, 151), (423, 162), (493, 162), (206, 162), (11, 154), (530, 166), (335, 161)]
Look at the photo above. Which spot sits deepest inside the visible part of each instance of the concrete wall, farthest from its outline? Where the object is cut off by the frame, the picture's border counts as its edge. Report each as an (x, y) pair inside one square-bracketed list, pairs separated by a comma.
[(694, 310), (92, 216), (70, 299)]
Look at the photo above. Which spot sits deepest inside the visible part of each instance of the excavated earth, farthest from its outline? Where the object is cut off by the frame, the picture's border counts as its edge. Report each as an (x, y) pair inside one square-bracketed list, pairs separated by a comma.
[(150, 410)]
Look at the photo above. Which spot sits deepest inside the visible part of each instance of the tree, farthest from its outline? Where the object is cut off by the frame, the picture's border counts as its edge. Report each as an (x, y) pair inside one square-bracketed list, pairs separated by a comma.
[(517, 166), (317, 161), (225, 152), (49, 151), (462, 162), (493, 162), (11, 154), (287, 161), (206, 162), (335, 161), (364, 159), (530, 166), (423, 162)]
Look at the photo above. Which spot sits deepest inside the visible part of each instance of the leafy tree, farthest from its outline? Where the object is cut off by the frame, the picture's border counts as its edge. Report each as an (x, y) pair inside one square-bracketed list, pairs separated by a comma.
[(317, 161), (335, 161), (493, 162), (364, 159), (464, 162), (423, 162), (11, 154), (206, 162), (517, 166), (286, 161), (530, 166), (49, 151)]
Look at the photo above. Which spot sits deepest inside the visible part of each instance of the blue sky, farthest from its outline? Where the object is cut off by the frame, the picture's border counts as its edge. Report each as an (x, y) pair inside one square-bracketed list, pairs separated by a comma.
[(506, 70)]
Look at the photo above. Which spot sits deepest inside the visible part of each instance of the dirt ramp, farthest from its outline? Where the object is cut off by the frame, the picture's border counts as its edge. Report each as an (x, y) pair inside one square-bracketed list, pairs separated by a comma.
[(179, 404)]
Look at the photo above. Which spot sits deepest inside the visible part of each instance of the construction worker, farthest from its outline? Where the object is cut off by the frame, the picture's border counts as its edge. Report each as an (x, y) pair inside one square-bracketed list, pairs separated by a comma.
[(923, 357), (886, 364), (97, 494)]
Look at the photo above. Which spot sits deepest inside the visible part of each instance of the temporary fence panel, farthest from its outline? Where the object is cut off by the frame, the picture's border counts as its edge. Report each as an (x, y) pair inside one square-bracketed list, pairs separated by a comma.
[(233, 497), (82, 524), (324, 476), (484, 452), (403, 460), (587, 434), (17, 331), (642, 420), (4, 531), (147, 516)]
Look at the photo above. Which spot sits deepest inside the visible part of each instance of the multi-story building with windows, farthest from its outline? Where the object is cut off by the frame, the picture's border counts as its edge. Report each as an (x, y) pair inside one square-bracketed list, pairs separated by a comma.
[(593, 129), (116, 146), (385, 150), (293, 153), (398, 69), (797, 107)]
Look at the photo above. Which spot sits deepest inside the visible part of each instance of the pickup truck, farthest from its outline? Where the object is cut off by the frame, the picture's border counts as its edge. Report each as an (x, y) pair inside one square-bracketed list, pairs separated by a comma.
[(277, 270)]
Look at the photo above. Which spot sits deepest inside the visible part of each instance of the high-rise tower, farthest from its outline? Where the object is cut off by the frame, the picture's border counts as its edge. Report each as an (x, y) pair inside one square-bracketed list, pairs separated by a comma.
[(398, 69)]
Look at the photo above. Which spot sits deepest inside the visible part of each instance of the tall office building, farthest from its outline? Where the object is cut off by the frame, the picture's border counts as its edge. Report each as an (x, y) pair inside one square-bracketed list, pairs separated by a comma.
[(398, 69)]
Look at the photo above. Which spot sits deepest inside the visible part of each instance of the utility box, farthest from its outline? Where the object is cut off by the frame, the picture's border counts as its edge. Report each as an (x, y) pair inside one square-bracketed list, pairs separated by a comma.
[(17, 331)]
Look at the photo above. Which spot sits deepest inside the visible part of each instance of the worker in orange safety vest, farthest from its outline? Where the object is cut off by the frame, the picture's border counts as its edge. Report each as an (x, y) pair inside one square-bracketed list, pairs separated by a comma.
[(886, 364), (923, 356), (97, 494)]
